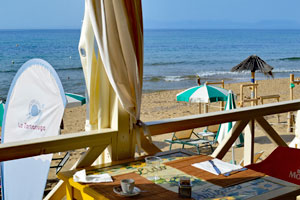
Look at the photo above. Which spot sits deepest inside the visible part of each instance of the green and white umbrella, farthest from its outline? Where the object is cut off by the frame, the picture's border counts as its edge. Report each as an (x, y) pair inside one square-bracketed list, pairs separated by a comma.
[(74, 100), (203, 94), (225, 128), (1, 112)]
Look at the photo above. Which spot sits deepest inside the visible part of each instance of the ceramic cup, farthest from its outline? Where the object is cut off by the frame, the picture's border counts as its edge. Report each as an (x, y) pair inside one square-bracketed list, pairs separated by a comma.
[(127, 185)]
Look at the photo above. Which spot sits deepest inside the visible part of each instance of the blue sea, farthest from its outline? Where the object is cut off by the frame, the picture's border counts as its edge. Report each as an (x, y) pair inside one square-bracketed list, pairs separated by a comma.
[(172, 58)]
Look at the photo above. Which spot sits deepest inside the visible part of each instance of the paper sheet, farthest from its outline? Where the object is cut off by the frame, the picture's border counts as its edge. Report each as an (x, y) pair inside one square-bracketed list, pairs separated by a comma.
[(81, 176), (217, 166)]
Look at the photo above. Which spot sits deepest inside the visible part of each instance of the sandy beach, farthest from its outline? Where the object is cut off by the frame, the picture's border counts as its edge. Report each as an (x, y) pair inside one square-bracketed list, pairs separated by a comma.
[(163, 104)]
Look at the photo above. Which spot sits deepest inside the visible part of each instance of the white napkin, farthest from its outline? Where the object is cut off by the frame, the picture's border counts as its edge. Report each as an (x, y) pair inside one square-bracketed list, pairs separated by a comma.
[(81, 176), (223, 167)]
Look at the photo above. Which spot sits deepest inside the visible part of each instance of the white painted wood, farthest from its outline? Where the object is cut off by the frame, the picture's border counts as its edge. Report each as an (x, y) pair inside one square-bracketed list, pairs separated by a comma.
[(230, 138), (249, 143)]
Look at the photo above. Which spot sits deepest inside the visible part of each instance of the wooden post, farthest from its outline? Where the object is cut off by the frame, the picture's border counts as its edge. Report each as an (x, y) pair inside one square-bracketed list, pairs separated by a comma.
[(205, 108), (199, 108), (222, 102), (249, 143), (290, 114), (255, 93), (241, 96), (291, 88)]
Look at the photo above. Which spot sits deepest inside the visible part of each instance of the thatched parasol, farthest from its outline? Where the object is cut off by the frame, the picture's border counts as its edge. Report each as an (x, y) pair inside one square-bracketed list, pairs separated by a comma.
[(254, 63)]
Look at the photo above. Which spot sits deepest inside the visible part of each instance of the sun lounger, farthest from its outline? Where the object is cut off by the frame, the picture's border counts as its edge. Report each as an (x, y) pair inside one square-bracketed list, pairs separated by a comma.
[(209, 132), (62, 162), (184, 138), (255, 158)]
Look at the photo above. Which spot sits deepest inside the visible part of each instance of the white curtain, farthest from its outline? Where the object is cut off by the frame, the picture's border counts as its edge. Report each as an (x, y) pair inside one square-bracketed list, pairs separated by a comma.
[(117, 26)]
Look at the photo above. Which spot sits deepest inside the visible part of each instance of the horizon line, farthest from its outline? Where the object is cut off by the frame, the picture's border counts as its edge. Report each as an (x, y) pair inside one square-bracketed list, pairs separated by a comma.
[(25, 29)]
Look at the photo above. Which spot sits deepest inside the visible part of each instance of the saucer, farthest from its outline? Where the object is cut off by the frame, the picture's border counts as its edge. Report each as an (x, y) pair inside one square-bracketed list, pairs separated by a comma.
[(118, 190)]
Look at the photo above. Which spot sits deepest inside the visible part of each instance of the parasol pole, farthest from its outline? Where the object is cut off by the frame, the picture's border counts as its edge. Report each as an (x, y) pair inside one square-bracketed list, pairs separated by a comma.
[(233, 155), (199, 83), (253, 88)]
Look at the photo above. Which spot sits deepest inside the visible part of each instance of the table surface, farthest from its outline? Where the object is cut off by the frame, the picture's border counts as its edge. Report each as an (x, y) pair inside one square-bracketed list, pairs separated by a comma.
[(263, 188)]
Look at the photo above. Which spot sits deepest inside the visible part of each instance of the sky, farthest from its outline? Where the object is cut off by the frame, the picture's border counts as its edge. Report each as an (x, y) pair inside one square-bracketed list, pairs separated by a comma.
[(158, 14)]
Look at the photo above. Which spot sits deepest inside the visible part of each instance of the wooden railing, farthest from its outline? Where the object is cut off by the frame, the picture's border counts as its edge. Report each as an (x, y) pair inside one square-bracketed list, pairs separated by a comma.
[(103, 138), (55, 144), (97, 141)]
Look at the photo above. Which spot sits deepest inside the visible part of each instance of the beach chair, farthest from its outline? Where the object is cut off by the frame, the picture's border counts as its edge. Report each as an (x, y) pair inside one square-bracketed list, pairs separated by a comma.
[(62, 162), (209, 132), (184, 138), (256, 157)]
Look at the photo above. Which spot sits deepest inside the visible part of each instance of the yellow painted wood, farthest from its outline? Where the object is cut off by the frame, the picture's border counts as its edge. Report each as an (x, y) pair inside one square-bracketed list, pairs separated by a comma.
[(60, 143), (290, 119), (251, 100), (241, 102), (229, 139), (125, 137), (69, 191), (250, 85), (202, 120), (249, 143), (112, 104), (58, 192), (90, 156), (273, 135), (148, 147), (253, 87), (215, 83), (255, 94)]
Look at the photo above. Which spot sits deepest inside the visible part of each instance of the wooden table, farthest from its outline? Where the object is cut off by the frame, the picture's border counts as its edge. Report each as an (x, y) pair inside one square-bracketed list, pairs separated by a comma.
[(205, 185)]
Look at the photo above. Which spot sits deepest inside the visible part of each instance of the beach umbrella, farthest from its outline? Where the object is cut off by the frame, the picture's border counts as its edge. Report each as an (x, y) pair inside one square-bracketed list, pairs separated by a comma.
[(225, 128), (203, 94), (253, 63), (74, 100)]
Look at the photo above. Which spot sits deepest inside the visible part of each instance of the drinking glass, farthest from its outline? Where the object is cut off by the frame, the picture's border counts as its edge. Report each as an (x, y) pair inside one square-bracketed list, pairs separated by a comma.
[(153, 164)]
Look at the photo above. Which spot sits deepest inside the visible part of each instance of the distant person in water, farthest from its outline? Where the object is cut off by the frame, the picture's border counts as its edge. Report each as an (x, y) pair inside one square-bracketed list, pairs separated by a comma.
[(198, 80)]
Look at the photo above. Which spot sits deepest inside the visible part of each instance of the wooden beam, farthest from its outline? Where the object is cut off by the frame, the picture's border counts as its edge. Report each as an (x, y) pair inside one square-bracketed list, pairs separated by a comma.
[(230, 138), (215, 83), (90, 156), (202, 120), (249, 143), (273, 135), (60, 143), (148, 147), (250, 85), (251, 100)]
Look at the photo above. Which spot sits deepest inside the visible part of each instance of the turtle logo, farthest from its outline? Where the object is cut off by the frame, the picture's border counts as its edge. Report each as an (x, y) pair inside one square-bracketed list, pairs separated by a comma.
[(34, 110)]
